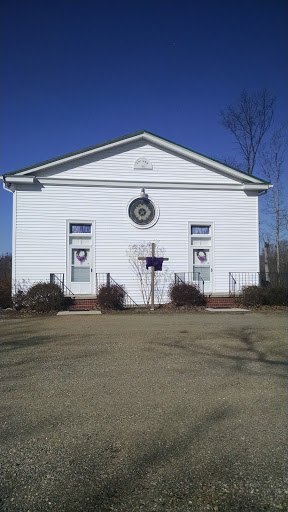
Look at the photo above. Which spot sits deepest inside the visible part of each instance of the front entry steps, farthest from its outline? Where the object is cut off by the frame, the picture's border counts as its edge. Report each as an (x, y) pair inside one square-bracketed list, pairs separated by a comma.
[(220, 302), (81, 304)]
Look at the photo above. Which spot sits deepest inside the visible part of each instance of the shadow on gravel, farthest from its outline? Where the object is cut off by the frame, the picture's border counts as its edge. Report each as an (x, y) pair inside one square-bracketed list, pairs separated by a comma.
[(242, 356), (150, 480), (19, 343), (117, 491)]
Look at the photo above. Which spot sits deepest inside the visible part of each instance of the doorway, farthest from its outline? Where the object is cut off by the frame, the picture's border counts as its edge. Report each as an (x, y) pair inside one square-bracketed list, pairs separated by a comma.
[(80, 258), (200, 255)]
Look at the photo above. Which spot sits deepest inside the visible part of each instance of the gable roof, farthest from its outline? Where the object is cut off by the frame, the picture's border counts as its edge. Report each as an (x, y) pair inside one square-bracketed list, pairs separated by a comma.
[(149, 137)]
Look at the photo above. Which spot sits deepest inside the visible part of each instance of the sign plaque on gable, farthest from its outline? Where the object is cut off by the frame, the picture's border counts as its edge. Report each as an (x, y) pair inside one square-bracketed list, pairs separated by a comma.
[(143, 163)]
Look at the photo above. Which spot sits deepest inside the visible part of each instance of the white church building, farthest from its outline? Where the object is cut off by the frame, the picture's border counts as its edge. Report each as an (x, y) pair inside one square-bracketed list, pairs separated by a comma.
[(75, 217)]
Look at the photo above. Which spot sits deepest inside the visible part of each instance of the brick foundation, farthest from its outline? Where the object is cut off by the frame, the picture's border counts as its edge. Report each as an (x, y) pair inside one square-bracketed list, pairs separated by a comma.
[(91, 304)]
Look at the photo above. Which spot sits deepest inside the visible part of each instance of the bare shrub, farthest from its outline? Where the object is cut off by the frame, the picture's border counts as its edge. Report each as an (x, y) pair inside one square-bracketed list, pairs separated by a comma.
[(255, 296), (19, 300), (183, 294), (44, 297), (111, 297), (5, 292)]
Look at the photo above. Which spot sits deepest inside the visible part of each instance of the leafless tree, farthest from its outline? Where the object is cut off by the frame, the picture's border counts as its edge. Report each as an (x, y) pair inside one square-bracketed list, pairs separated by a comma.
[(272, 161), (272, 259), (248, 120), (5, 265), (161, 279)]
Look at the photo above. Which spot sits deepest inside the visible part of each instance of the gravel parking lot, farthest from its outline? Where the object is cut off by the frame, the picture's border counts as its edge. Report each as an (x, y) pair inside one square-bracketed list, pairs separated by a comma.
[(144, 412)]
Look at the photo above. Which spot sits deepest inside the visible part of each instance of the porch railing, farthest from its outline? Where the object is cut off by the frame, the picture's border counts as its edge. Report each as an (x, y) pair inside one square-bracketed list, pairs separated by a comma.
[(190, 278), (107, 280), (232, 285), (60, 280), (239, 280)]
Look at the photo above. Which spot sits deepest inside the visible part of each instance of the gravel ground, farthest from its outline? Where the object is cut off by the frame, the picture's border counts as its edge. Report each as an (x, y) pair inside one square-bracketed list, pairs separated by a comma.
[(171, 412)]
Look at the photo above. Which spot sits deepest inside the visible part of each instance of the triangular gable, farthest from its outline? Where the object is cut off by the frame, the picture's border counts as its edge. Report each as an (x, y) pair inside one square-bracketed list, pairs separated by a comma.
[(142, 135)]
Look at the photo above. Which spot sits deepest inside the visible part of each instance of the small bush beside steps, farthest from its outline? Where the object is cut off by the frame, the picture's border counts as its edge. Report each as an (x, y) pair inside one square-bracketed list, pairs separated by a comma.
[(256, 296), (183, 294), (111, 297), (41, 298)]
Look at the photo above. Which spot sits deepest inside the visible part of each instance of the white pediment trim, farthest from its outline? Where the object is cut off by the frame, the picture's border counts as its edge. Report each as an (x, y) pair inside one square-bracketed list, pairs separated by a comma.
[(145, 137), (136, 184)]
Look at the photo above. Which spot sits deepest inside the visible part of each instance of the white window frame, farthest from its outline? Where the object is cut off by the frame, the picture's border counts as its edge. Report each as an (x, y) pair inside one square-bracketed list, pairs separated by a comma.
[(68, 252), (145, 226), (210, 247)]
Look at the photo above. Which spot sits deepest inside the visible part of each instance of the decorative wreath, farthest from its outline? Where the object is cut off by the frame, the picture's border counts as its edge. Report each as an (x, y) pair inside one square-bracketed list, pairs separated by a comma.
[(201, 255), (81, 255)]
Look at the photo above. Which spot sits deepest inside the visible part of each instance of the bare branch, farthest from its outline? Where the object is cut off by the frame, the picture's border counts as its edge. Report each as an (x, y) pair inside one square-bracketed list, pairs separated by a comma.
[(144, 249), (272, 159), (248, 121)]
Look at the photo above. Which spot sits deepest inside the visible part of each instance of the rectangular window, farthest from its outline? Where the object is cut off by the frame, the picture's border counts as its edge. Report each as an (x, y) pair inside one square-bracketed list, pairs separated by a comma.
[(200, 230), (80, 275), (80, 228), (203, 272)]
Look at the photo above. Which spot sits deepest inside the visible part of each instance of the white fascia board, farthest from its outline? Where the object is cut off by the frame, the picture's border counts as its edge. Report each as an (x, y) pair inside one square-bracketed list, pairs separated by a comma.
[(151, 184), (261, 186), (199, 158), (19, 179)]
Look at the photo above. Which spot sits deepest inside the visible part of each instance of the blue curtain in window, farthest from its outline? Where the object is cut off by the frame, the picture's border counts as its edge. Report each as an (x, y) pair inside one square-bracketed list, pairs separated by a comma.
[(80, 228), (200, 230)]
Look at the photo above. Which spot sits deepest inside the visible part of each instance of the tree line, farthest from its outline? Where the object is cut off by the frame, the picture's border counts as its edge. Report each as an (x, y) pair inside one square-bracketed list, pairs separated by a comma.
[(261, 145)]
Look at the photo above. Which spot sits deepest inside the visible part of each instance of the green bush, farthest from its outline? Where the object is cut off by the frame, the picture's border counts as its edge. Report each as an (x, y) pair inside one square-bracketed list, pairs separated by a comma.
[(111, 297), (255, 296), (183, 294), (44, 297), (5, 292)]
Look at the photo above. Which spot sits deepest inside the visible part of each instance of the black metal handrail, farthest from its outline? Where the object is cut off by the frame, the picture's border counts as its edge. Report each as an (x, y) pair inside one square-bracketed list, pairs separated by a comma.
[(232, 285), (131, 302), (189, 278), (201, 280), (105, 279), (240, 280), (55, 279)]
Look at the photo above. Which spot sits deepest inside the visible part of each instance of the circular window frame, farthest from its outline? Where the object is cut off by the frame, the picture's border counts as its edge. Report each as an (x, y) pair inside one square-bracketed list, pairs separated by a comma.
[(144, 226)]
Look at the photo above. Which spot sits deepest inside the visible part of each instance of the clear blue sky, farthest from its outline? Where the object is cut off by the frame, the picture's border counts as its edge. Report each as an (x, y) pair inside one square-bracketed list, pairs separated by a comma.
[(79, 72)]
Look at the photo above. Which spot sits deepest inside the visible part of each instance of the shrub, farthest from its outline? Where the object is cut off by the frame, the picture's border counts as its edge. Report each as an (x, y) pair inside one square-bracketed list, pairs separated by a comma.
[(275, 295), (111, 297), (252, 296), (255, 296), (5, 292), (183, 294), (19, 300), (44, 297)]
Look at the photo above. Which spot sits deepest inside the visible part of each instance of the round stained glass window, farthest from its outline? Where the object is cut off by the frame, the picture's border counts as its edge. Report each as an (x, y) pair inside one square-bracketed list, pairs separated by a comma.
[(142, 211)]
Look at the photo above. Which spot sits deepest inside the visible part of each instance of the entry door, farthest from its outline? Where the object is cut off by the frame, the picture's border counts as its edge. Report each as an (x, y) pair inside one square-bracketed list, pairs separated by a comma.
[(202, 268), (81, 269), (80, 258), (200, 255)]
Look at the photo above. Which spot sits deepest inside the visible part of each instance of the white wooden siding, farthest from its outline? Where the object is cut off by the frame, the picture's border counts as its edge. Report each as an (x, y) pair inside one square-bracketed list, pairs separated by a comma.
[(113, 164), (41, 215)]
